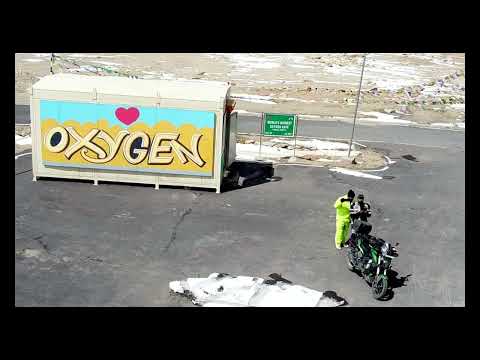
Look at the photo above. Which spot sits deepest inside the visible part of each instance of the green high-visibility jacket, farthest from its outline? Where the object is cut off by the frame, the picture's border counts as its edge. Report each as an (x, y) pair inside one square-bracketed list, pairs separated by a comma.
[(343, 209)]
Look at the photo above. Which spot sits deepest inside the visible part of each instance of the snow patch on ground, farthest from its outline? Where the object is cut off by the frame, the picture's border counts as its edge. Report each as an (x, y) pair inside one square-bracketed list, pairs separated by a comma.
[(233, 291), (106, 63), (315, 144), (83, 69), (254, 98), (83, 56), (383, 118), (33, 60), (273, 81), (117, 56), (355, 173), (385, 74), (302, 66), (78, 70), (258, 101), (246, 62), (20, 140), (250, 152), (333, 82), (444, 125), (296, 99), (245, 112), (448, 125), (458, 106), (266, 99), (310, 116)]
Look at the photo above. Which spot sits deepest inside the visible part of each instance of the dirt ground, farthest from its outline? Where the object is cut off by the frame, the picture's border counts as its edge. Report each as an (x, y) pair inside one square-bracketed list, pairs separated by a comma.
[(424, 88)]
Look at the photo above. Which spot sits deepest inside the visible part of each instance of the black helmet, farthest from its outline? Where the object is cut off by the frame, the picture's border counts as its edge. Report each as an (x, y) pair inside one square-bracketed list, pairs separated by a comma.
[(351, 193)]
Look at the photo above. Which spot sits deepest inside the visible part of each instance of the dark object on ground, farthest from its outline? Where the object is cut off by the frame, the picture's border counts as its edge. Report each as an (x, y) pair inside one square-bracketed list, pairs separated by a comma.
[(278, 277), (247, 173), (410, 157), (333, 295)]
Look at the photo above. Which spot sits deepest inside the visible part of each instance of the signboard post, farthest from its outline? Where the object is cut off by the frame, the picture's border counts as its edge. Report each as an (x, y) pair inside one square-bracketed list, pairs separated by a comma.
[(281, 125), (295, 145), (262, 119)]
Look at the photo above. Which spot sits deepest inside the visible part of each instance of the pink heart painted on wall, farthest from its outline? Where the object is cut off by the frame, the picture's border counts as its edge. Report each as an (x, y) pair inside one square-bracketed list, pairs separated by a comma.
[(127, 116)]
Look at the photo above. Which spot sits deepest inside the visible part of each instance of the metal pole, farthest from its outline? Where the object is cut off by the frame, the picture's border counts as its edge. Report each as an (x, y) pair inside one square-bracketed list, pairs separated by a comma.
[(295, 144), (356, 106), (261, 131), (52, 59)]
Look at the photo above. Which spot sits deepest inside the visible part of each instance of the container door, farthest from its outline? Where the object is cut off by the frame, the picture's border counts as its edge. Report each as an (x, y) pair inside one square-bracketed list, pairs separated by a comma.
[(232, 137)]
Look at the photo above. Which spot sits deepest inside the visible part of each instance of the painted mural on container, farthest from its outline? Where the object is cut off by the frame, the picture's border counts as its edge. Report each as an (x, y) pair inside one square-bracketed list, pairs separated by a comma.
[(126, 137)]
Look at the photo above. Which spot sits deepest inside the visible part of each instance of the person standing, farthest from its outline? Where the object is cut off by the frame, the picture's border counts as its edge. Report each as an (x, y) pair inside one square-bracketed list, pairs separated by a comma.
[(361, 209), (342, 205)]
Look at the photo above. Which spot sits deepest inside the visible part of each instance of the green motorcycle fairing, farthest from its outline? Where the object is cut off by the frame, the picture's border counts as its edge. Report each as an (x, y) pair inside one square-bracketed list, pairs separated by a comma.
[(374, 256)]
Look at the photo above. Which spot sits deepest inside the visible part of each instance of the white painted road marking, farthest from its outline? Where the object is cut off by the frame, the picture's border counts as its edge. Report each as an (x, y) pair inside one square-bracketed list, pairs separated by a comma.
[(19, 156), (355, 173)]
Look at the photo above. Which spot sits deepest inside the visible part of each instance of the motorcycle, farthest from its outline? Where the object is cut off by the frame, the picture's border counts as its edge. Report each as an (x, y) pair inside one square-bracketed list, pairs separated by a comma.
[(371, 256)]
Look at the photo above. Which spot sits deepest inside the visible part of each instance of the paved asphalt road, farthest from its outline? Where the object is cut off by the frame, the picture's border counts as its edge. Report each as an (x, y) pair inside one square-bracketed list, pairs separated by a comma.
[(22, 114), (366, 132), (119, 244)]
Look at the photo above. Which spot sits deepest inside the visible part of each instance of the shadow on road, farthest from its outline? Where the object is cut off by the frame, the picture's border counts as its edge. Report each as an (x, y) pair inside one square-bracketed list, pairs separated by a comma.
[(249, 173), (117, 183), (244, 174), (395, 282)]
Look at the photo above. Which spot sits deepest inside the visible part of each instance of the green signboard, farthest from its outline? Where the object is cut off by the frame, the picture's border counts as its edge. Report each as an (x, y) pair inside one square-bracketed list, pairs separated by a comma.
[(279, 125)]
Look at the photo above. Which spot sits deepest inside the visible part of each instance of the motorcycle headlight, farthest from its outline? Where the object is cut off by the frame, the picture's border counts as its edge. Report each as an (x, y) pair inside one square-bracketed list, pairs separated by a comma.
[(384, 249)]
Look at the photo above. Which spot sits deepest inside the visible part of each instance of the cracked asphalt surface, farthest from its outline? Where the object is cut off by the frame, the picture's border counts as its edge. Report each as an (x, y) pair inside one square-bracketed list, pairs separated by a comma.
[(120, 244)]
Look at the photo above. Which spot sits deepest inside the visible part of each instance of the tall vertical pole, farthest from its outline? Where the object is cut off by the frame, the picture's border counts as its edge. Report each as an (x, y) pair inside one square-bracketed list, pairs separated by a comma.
[(52, 60), (262, 118), (295, 128), (356, 106)]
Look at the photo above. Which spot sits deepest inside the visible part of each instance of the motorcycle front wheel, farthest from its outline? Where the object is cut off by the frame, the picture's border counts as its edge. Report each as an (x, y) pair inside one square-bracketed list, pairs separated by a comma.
[(379, 287)]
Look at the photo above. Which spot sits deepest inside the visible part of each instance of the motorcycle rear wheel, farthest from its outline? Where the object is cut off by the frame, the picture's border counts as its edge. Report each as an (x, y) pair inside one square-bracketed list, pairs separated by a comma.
[(379, 287)]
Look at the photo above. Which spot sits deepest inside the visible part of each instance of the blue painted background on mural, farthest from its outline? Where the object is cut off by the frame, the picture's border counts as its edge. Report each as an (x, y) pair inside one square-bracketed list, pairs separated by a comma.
[(82, 113)]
